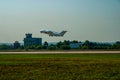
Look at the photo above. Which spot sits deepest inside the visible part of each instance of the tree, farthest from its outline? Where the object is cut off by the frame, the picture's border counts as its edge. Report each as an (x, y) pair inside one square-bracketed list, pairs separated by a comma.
[(45, 45), (38, 47), (66, 42), (59, 44), (74, 41), (52, 47), (85, 47), (86, 44), (117, 42), (65, 47), (4, 47), (116, 45)]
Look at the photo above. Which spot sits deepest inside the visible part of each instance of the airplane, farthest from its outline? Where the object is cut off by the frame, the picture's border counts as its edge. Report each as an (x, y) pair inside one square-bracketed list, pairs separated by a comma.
[(53, 33)]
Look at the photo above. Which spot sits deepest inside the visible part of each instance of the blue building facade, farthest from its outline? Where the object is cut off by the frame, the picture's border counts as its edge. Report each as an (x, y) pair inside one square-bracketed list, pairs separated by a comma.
[(29, 41)]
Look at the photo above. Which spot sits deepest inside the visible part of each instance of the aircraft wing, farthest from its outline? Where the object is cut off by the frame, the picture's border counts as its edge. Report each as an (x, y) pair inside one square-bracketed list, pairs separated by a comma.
[(50, 33)]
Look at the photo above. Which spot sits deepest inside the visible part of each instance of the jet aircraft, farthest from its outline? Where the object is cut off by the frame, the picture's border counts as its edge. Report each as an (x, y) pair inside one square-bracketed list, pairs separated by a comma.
[(53, 33)]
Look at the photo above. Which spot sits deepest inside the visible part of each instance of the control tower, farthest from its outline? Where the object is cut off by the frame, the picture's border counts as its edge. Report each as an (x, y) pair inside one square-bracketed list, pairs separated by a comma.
[(29, 41)]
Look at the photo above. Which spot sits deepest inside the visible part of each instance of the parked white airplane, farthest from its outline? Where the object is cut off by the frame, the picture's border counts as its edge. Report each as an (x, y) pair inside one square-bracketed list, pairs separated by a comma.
[(53, 33)]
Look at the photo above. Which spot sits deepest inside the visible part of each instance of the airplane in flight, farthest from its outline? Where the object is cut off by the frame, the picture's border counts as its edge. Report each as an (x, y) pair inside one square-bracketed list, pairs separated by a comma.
[(53, 33)]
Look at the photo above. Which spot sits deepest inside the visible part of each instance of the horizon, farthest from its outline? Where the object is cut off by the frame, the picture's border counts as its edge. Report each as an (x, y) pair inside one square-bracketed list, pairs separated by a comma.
[(93, 20), (11, 43)]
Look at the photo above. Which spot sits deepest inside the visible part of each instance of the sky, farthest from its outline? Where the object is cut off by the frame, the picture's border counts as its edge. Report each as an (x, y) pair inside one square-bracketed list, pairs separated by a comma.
[(94, 20)]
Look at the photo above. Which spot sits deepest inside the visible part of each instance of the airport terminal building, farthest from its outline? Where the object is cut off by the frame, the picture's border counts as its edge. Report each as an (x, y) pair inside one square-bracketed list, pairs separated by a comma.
[(29, 41)]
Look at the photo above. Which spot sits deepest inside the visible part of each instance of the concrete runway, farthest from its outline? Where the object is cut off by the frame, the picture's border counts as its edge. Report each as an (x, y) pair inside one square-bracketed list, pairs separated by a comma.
[(62, 52)]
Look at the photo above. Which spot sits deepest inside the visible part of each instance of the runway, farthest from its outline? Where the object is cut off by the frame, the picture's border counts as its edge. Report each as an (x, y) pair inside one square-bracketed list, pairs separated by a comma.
[(63, 52)]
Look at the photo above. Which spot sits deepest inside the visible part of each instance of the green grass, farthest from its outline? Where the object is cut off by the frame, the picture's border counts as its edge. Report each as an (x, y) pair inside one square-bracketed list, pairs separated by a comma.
[(90, 56), (59, 66)]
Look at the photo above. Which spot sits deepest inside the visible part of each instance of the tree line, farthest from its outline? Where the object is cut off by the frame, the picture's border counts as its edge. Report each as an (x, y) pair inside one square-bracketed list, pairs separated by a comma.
[(66, 45)]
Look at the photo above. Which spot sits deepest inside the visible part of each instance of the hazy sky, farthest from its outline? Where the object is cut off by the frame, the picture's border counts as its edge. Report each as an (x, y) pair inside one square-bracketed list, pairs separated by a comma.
[(94, 20)]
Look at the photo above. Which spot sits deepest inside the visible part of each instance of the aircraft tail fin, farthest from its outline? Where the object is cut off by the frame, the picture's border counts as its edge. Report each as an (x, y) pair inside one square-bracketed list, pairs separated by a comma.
[(63, 32)]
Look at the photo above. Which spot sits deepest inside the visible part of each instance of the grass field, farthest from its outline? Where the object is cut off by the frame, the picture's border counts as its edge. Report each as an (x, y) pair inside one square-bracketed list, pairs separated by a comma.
[(59, 66)]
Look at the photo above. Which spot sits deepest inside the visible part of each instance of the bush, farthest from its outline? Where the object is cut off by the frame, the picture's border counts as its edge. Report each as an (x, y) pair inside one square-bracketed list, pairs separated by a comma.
[(65, 47), (38, 47), (85, 47), (52, 48), (4, 47)]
